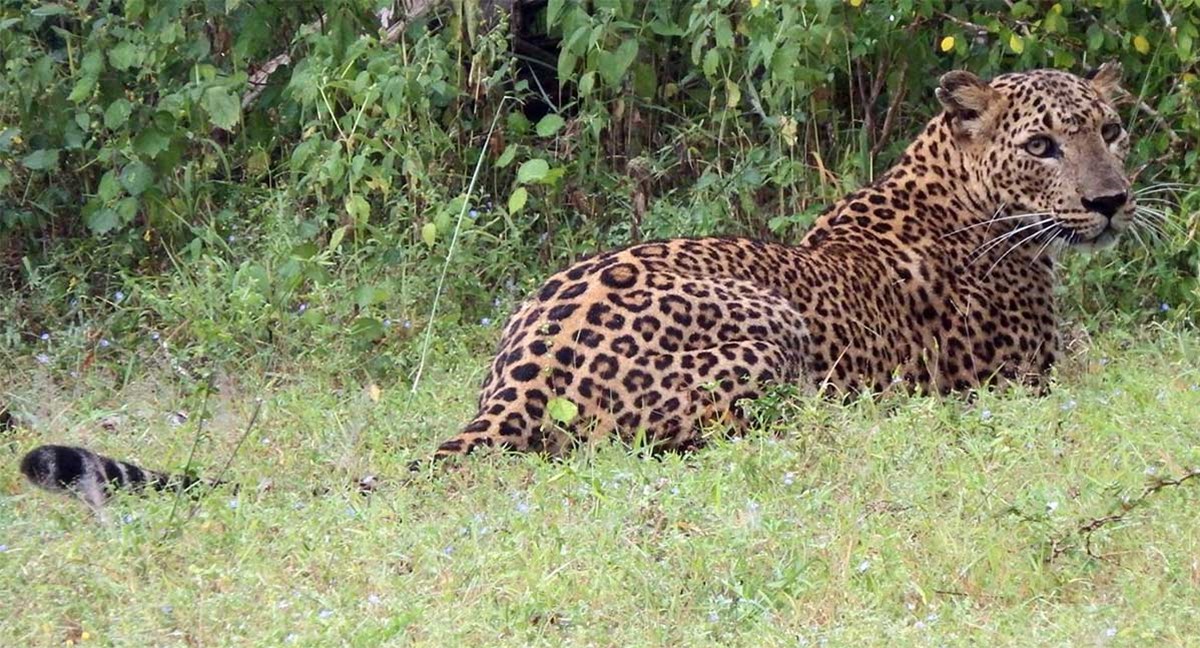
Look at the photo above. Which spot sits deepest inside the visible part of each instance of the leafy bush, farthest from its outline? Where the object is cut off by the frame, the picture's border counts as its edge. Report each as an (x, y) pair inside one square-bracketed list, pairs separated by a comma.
[(318, 210)]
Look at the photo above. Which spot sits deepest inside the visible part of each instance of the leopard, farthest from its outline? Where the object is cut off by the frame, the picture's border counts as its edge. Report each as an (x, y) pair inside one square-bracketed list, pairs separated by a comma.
[(938, 277)]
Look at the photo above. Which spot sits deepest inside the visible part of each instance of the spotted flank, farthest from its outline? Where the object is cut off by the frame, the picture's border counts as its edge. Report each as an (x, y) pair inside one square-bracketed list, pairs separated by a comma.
[(93, 477)]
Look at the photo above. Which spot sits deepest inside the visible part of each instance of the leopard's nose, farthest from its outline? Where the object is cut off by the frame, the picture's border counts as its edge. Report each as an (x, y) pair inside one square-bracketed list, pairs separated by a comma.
[(1107, 205)]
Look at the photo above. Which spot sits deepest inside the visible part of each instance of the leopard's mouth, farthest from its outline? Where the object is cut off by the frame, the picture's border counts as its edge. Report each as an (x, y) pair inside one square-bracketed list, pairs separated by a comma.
[(1106, 237)]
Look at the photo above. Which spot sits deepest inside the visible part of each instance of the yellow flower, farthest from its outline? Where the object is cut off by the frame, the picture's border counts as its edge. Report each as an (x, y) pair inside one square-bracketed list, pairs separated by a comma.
[(1016, 43), (947, 43), (1141, 44), (856, 3), (755, 3)]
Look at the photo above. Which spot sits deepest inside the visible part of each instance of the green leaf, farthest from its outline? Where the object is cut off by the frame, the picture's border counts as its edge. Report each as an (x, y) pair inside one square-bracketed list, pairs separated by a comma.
[(517, 200), (102, 221), (566, 63), (562, 410), (532, 171), (613, 65), (83, 88), (366, 329), (109, 186), (711, 60), (49, 9), (150, 142), (358, 208), (117, 114), (41, 160), (92, 64), (429, 234), (126, 209), (136, 177), (336, 239), (6, 138), (222, 107), (507, 156), (123, 56), (549, 125), (587, 82), (553, 8), (724, 32)]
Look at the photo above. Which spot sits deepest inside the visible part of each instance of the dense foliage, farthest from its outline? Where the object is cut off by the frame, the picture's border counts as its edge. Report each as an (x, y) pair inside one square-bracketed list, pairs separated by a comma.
[(157, 179)]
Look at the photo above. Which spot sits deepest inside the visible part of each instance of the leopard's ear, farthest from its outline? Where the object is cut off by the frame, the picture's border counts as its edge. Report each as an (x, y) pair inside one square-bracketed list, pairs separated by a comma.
[(1106, 79), (969, 101), (965, 96)]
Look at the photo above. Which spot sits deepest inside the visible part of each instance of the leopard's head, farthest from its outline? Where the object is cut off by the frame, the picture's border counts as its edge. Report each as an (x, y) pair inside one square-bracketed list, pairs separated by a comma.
[(1047, 144)]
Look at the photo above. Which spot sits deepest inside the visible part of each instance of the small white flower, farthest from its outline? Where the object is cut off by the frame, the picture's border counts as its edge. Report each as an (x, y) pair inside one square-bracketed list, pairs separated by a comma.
[(789, 478), (154, 335), (118, 296), (302, 307), (406, 324), (45, 337), (3, 548), (1051, 506), (713, 617), (233, 503), (42, 358), (325, 613), (1111, 632), (985, 415), (523, 507), (104, 343), (864, 566), (1164, 307), (374, 599), (485, 321)]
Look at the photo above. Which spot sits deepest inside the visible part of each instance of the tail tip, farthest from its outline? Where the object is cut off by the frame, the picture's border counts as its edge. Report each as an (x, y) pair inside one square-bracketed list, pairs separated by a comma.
[(52, 466)]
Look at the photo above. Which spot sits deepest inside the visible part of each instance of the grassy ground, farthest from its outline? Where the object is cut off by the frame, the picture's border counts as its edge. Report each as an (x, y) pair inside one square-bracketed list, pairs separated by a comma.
[(919, 521)]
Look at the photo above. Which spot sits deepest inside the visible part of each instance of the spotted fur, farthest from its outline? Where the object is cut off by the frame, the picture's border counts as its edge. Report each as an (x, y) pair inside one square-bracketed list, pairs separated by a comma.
[(938, 277)]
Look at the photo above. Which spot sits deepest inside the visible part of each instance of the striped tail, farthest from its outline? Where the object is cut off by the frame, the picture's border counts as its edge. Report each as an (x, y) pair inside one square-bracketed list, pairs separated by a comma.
[(93, 477)]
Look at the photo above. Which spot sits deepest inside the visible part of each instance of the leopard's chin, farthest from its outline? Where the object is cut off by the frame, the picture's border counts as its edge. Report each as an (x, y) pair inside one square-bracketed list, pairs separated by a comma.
[(1105, 239)]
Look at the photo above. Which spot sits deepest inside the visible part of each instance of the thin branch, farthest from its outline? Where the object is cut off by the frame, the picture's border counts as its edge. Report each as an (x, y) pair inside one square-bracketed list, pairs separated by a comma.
[(258, 80), (1088, 528)]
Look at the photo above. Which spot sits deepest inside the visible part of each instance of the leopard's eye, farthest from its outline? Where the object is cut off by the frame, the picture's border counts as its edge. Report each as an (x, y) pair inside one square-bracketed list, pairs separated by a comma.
[(1041, 146), (1111, 131)]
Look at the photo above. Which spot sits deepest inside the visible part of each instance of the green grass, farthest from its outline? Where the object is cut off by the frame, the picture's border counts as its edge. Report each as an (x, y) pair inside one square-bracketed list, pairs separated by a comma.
[(912, 521)]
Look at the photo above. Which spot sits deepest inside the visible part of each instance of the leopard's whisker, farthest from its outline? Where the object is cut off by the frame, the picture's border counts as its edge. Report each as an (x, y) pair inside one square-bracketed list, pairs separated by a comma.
[(1053, 234), (1158, 218), (991, 244), (1017, 245), (990, 221)]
